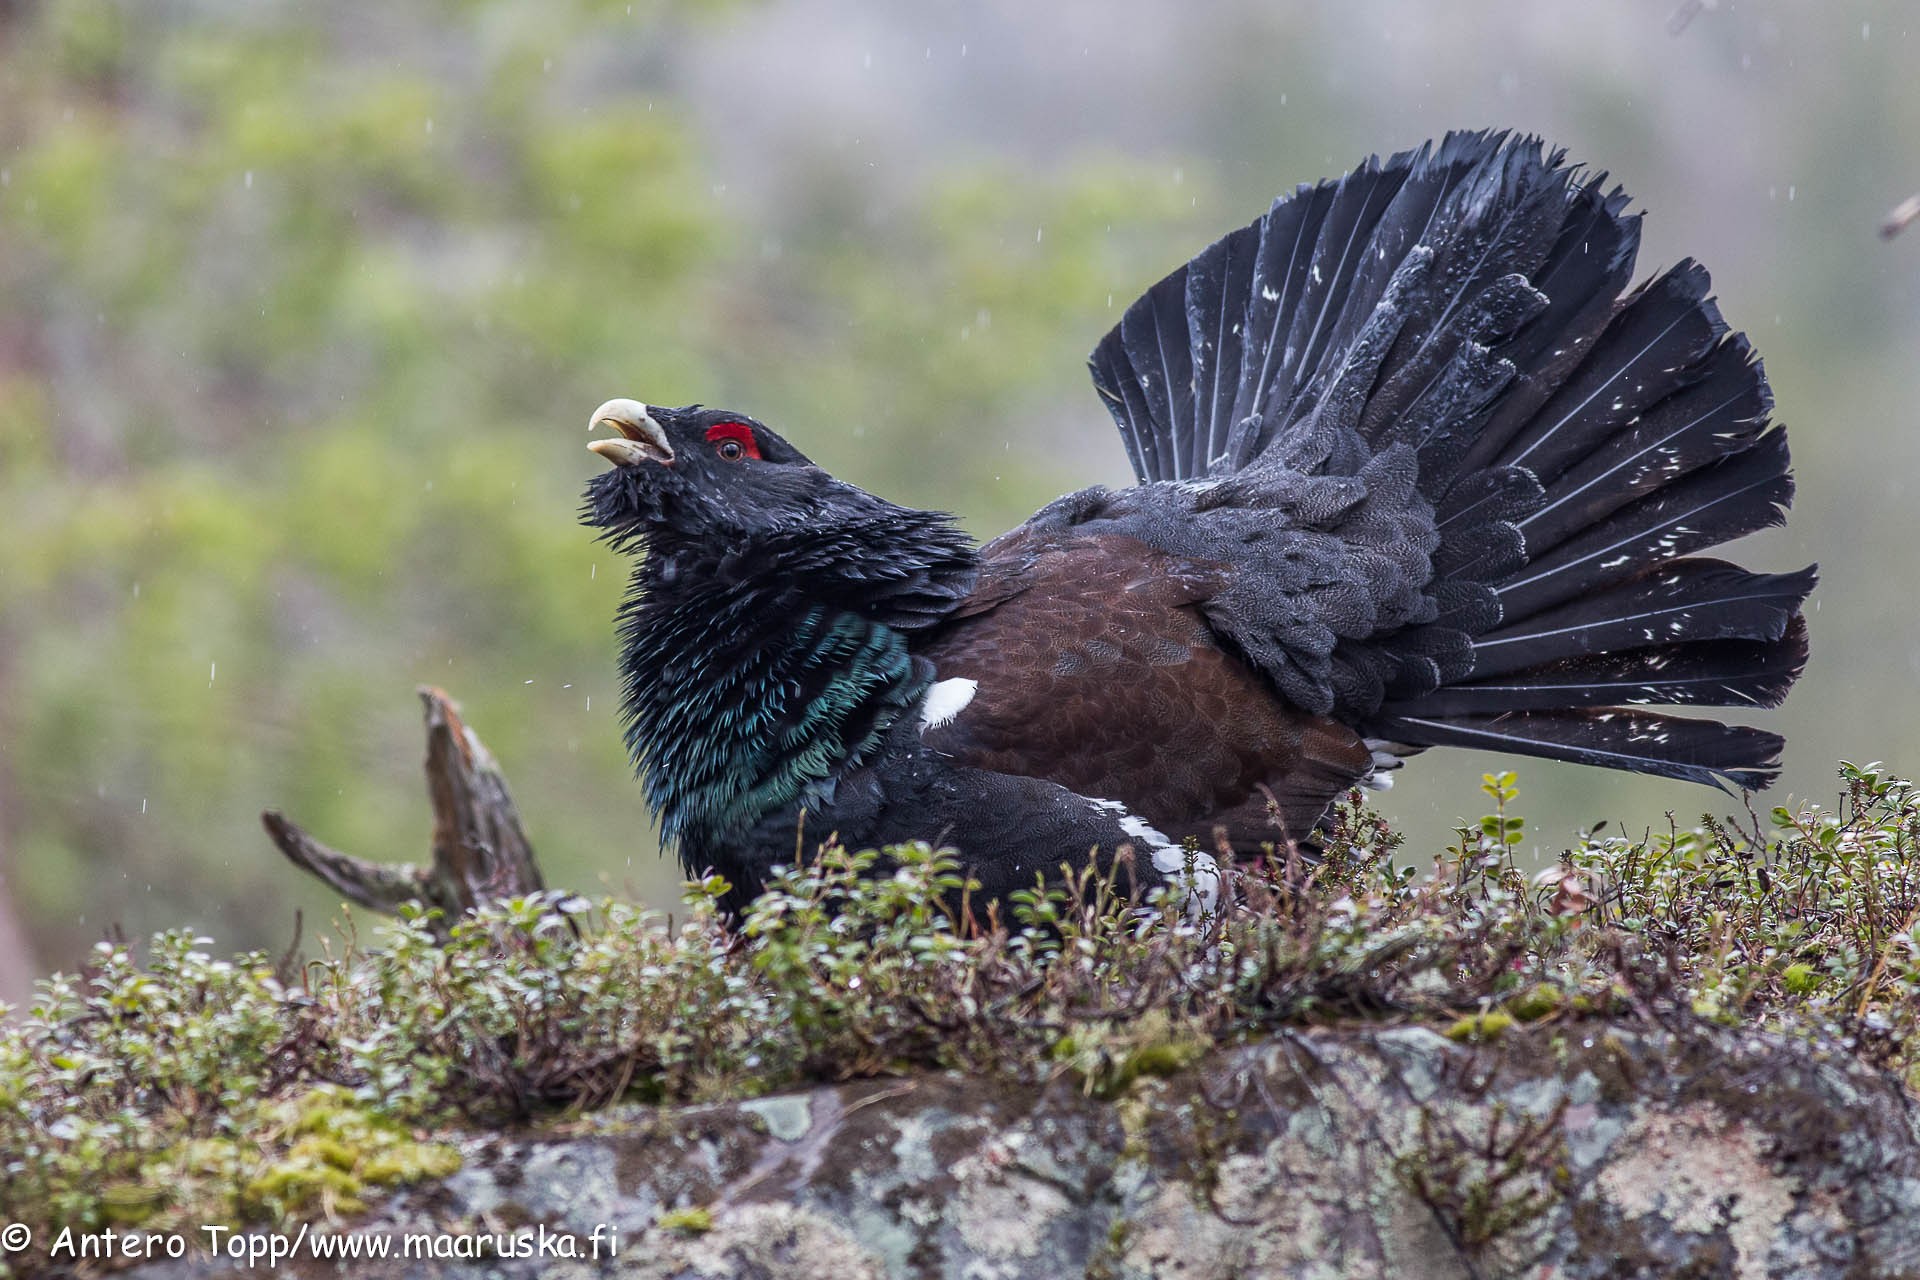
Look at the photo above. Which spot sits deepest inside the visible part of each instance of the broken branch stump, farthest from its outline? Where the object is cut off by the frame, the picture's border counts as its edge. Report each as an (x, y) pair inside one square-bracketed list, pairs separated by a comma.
[(480, 853)]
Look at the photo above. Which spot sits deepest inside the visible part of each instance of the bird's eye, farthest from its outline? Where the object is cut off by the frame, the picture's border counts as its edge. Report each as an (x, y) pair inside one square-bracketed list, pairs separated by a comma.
[(733, 441)]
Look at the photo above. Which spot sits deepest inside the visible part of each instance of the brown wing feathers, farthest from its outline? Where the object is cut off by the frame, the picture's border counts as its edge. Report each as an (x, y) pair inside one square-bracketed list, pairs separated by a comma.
[(1096, 669)]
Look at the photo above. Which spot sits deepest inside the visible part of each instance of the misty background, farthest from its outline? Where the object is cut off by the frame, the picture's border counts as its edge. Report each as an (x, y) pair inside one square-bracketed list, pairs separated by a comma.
[(303, 308)]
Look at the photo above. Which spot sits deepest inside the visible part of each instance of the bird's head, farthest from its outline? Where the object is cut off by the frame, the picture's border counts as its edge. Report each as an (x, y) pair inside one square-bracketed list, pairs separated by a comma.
[(695, 471)]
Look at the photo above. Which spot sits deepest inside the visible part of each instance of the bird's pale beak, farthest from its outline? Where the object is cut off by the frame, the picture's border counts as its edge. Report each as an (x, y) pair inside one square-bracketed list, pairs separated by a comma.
[(641, 439)]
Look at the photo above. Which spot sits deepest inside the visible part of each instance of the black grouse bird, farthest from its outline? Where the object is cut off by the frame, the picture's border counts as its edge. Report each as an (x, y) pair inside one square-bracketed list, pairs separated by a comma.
[(1416, 468)]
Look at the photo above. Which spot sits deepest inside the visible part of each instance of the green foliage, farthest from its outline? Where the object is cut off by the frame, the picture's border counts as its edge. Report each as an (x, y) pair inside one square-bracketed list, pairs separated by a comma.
[(1499, 832), (174, 1095), (192, 1088), (313, 307), (1820, 919)]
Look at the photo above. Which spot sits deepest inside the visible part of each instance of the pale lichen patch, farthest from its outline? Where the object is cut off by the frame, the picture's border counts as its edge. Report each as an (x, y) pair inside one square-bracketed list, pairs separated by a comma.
[(1173, 1237), (787, 1116), (772, 1239), (1000, 1211), (1703, 1173), (913, 1147)]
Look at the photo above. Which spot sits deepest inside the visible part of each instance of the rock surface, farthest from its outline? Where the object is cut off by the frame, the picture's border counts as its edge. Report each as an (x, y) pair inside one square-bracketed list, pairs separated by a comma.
[(1578, 1150)]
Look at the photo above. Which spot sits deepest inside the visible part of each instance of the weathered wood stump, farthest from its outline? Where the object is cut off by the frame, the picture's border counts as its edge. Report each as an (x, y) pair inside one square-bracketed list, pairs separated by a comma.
[(480, 852)]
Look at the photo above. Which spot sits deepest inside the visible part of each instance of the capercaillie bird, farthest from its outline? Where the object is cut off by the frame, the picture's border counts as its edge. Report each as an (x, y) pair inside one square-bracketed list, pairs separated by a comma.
[(1416, 468)]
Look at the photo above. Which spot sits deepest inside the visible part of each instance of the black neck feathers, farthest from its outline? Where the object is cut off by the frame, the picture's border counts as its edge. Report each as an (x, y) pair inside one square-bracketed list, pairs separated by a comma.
[(758, 671)]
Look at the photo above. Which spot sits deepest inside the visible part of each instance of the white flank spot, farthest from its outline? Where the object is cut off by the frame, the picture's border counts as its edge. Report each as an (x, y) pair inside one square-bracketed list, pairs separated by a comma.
[(947, 699), (1197, 874), (1166, 854), (1386, 759)]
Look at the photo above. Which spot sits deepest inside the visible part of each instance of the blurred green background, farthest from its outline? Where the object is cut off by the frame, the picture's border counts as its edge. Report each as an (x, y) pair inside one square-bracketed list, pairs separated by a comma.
[(303, 307)]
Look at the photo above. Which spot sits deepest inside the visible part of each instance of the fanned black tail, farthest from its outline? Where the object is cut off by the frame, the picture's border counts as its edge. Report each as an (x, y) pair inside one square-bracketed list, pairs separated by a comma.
[(1576, 443)]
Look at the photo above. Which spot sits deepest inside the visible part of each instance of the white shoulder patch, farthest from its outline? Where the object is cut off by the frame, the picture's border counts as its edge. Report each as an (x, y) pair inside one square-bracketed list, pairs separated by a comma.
[(947, 699)]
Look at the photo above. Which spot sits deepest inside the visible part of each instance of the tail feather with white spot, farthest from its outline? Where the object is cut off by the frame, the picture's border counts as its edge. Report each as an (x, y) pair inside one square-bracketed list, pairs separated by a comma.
[(1655, 446), (1462, 313)]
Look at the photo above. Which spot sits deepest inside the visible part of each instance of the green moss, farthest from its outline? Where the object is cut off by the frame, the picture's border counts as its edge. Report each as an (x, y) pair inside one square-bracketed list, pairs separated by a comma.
[(336, 1149), (129, 1203), (408, 1163), (693, 1222), (301, 1185), (1480, 1026), (1109, 1056), (1107, 1263), (1538, 1001)]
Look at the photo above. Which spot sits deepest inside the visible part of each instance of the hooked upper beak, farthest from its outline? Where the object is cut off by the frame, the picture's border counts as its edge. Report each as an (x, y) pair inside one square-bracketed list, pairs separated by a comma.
[(641, 439)]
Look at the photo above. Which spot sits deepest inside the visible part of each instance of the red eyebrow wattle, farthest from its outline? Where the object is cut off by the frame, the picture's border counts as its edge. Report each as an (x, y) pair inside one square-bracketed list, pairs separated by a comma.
[(734, 431)]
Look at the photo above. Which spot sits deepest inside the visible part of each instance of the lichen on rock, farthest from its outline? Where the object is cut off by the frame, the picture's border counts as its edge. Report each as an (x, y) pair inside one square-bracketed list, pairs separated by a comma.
[(1286, 1158)]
